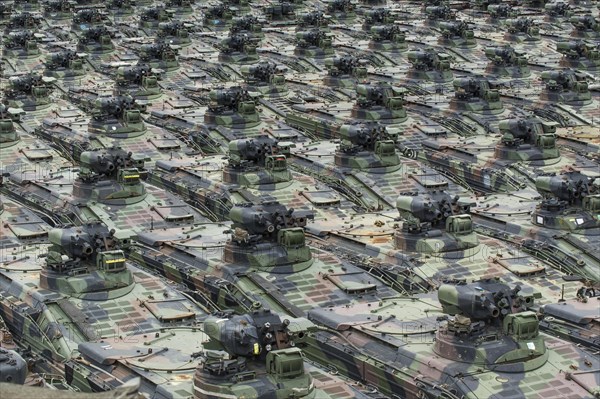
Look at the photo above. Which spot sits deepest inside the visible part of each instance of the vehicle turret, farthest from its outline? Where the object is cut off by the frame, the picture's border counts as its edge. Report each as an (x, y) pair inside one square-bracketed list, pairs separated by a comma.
[(96, 39), (280, 11), (441, 12), (579, 54), (248, 24), (110, 176), (388, 38), (117, 116), (558, 9), (501, 11), (346, 65), (313, 19), (242, 345), (218, 15), (8, 133), (434, 222), (239, 48), (341, 9), (476, 94), (13, 368), (585, 26), (368, 146), (506, 56), (119, 4), (345, 71), (159, 55), (527, 139), (85, 18), (379, 102), (265, 77), (517, 27), (488, 308), (180, 6), (59, 9), (430, 65), (268, 235), (570, 201), (29, 92), (377, 16), (173, 32), (85, 260), (456, 33), (65, 64), (258, 161), (233, 107), (314, 43), (23, 20), (21, 43), (151, 17), (139, 81), (566, 86)]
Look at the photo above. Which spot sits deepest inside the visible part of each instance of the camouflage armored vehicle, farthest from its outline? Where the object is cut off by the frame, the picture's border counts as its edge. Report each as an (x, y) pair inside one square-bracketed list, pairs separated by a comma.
[(410, 182), (89, 301), (343, 300), (107, 185), (256, 169)]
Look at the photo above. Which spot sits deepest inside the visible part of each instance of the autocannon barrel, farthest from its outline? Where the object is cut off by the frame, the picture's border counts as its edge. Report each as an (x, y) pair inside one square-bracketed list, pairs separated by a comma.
[(468, 301), (562, 187), (426, 210), (265, 219), (362, 134), (251, 149), (75, 243)]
